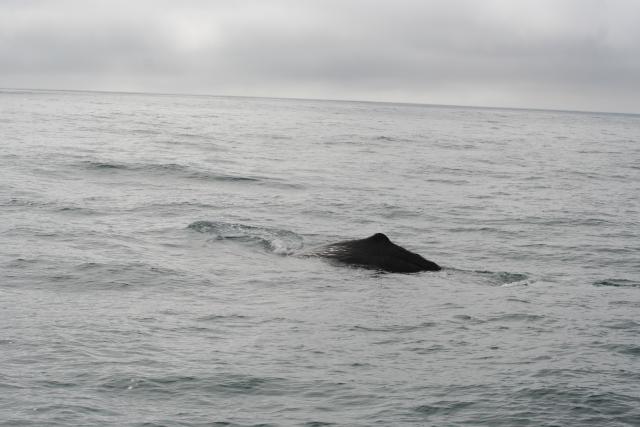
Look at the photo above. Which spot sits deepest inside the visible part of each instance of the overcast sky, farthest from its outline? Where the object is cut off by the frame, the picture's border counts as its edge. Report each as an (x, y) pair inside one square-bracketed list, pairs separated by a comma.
[(560, 54)]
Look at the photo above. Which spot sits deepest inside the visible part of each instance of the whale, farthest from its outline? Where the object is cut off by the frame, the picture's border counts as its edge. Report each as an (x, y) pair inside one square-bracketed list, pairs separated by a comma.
[(376, 252)]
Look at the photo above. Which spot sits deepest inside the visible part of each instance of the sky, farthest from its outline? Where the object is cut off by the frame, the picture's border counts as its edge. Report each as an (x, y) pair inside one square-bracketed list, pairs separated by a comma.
[(555, 54)]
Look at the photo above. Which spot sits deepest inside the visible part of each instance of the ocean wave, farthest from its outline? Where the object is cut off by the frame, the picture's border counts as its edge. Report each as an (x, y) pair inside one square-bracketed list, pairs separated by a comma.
[(394, 328), (103, 165), (53, 206), (579, 402), (503, 278), (77, 210), (387, 138), (445, 407), (115, 275), (24, 203), (628, 349), (186, 172), (222, 317), (516, 317), (222, 384), (617, 283)]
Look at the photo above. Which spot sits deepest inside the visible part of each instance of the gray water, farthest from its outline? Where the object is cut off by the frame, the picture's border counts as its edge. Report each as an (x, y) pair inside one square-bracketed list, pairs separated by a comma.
[(149, 271)]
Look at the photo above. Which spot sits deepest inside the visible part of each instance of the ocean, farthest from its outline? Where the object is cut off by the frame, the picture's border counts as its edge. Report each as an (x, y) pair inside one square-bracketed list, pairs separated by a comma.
[(150, 268)]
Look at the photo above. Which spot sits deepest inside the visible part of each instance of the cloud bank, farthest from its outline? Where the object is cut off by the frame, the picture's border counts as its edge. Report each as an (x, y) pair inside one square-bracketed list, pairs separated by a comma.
[(563, 54)]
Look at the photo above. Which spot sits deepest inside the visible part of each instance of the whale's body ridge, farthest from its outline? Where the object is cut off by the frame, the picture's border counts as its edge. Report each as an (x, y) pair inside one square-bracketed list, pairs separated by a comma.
[(376, 252)]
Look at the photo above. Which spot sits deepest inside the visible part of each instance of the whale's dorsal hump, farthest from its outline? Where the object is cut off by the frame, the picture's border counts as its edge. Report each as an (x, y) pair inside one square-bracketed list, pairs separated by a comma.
[(379, 238)]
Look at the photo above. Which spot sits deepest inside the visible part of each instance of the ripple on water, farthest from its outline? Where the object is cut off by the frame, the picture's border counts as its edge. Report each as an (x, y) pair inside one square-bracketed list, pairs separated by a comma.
[(627, 349), (393, 328), (617, 283), (222, 317), (580, 403), (516, 317), (625, 325), (221, 385), (122, 274), (443, 407), (185, 171)]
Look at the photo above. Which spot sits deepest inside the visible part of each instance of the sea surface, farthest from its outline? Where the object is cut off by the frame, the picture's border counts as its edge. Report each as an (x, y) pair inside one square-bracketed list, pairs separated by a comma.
[(150, 268)]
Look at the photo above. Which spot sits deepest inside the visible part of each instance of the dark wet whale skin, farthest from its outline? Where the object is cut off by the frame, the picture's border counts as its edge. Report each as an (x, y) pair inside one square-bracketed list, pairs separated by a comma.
[(377, 252)]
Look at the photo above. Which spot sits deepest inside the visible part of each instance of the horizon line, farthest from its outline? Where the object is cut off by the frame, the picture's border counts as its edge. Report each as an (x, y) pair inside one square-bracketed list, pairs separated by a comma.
[(417, 104)]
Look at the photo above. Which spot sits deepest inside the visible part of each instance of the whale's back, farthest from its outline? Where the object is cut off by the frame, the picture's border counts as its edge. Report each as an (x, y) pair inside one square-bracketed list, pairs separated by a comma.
[(377, 252)]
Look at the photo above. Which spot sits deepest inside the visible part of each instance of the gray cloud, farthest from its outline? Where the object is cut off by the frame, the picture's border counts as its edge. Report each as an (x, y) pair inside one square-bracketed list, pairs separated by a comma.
[(568, 54)]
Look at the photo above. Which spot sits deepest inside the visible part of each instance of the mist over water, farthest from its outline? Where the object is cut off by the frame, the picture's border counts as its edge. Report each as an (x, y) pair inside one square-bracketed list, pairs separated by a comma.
[(149, 268)]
